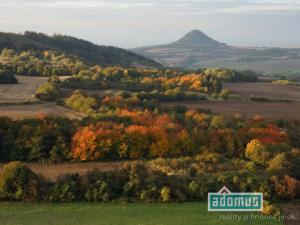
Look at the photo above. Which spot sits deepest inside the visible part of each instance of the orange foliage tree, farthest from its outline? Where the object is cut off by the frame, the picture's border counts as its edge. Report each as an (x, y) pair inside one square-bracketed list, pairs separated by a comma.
[(96, 142)]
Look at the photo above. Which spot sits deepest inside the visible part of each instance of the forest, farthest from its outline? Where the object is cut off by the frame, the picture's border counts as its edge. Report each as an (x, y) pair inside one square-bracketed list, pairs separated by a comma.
[(140, 83), (87, 51), (190, 152), (174, 153)]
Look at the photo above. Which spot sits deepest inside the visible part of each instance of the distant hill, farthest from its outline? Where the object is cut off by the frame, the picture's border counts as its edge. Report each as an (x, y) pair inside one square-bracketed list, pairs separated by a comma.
[(196, 49), (197, 38), (89, 52)]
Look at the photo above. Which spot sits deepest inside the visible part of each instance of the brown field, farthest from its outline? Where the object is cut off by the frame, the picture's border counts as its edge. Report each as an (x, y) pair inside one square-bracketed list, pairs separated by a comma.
[(266, 90), (271, 110), (12, 97), (53, 171), (33, 110), (15, 99), (292, 210), (21, 92)]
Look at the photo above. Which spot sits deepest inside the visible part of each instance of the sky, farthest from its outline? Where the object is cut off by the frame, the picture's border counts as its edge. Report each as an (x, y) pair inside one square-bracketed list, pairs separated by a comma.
[(132, 23)]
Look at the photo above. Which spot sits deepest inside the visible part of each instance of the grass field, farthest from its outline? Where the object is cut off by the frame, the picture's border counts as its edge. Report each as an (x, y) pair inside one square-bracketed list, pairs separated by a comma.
[(120, 214)]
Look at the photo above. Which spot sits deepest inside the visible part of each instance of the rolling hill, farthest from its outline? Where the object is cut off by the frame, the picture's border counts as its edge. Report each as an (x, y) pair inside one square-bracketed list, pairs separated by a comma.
[(196, 49), (89, 52)]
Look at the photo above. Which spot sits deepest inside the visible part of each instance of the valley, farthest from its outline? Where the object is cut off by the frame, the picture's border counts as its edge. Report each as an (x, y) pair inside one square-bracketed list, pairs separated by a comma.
[(75, 130), (141, 112), (17, 101)]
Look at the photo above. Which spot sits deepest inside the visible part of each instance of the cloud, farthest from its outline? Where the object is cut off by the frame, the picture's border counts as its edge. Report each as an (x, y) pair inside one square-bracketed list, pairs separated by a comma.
[(145, 22), (176, 6), (74, 4)]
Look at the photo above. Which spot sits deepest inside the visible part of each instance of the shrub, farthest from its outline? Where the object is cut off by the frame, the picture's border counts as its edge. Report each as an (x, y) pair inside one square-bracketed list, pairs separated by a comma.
[(81, 102), (165, 194), (225, 94), (282, 82), (295, 163), (67, 189), (180, 195), (270, 209), (99, 192), (48, 92), (150, 194), (7, 77), (224, 74), (278, 164), (54, 80), (136, 173), (198, 190), (18, 183), (285, 187)]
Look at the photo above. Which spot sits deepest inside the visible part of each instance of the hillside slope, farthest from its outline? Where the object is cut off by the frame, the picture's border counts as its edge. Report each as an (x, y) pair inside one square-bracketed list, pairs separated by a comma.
[(196, 49), (91, 53)]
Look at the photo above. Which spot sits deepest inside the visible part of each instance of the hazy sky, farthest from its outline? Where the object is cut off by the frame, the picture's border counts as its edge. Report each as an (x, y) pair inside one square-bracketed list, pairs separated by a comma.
[(128, 23)]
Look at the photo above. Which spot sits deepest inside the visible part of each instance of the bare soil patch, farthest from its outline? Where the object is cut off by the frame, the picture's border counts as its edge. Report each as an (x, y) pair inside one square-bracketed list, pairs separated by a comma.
[(266, 90), (33, 110), (54, 171), (23, 91), (14, 99), (272, 110), (292, 214)]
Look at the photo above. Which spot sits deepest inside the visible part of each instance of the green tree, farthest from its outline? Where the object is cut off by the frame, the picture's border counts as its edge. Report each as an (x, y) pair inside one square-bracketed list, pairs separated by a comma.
[(198, 190), (17, 182)]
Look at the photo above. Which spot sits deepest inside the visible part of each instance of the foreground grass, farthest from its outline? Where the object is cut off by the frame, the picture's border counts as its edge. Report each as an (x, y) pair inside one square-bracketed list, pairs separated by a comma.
[(118, 214)]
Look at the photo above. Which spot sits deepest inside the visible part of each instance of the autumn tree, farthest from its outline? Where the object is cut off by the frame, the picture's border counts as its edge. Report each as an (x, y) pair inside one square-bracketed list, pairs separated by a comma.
[(257, 152), (286, 187)]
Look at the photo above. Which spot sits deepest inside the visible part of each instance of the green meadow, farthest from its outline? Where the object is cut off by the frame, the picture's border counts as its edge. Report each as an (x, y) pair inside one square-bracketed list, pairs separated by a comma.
[(122, 214)]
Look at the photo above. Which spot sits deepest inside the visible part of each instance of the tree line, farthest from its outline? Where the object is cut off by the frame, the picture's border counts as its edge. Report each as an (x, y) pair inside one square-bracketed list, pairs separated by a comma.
[(123, 134), (135, 182)]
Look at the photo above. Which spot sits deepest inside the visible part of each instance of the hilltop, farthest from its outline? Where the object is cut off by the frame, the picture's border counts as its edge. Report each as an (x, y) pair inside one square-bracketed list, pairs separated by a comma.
[(89, 52), (196, 49), (197, 38)]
